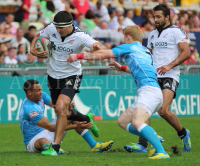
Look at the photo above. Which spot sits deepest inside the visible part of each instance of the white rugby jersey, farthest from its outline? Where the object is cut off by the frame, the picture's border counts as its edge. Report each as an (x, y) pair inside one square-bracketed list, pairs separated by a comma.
[(58, 66), (165, 49)]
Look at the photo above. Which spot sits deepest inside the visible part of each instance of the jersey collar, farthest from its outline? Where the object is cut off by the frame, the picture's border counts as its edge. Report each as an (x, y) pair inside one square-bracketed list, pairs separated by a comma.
[(159, 32), (63, 38)]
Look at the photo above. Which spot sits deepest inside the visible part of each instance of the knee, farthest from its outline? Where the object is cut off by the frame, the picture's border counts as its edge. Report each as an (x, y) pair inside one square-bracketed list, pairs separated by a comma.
[(61, 107), (163, 110)]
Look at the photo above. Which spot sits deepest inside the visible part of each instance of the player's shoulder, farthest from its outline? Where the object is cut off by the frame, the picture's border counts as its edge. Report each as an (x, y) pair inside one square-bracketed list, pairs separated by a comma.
[(152, 33), (50, 28), (78, 31), (176, 29), (26, 105)]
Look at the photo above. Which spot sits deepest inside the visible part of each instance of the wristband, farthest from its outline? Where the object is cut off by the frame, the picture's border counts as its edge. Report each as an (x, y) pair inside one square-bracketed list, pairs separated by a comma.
[(80, 55), (123, 68)]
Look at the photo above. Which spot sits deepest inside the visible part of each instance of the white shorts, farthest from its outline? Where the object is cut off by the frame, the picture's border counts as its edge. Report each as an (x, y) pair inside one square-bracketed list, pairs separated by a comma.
[(43, 134), (149, 98)]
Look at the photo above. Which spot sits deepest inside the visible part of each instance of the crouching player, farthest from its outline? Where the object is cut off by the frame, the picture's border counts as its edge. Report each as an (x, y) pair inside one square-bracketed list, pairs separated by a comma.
[(149, 100), (37, 130)]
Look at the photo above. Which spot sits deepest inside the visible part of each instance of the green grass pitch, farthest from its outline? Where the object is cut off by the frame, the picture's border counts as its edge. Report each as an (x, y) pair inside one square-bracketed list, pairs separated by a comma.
[(13, 152)]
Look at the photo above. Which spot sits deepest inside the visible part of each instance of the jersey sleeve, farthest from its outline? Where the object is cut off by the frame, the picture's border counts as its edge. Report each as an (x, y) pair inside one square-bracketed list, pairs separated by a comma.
[(46, 98), (47, 31), (33, 114), (120, 50), (180, 36), (87, 41)]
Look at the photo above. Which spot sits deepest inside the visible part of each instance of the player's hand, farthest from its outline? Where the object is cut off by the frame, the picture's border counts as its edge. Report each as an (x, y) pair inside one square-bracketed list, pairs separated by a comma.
[(34, 51), (72, 58), (163, 69), (115, 65), (71, 106), (97, 46), (84, 125)]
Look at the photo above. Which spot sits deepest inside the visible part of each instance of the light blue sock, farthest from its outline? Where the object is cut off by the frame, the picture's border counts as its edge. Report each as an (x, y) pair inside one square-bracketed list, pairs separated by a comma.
[(149, 133), (131, 129), (88, 138)]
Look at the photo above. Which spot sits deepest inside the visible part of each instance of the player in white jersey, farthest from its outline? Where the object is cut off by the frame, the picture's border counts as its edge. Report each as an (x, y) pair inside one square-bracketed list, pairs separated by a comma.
[(63, 78), (169, 48)]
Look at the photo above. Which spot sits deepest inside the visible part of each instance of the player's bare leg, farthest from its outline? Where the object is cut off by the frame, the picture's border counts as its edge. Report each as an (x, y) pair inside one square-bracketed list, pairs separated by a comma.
[(38, 145), (166, 113), (62, 111), (137, 126)]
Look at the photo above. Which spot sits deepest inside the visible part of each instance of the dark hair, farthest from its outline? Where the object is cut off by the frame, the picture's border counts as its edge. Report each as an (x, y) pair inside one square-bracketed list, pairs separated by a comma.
[(90, 14), (28, 85), (50, 6), (127, 10), (164, 8), (63, 16), (9, 14), (146, 22), (31, 27), (19, 47)]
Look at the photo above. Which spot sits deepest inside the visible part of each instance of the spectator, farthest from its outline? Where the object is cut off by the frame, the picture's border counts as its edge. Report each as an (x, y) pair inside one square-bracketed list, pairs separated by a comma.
[(196, 27), (59, 5), (97, 20), (79, 19), (149, 17), (120, 23), (121, 3), (5, 34), (101, 9), (20, 39), (21, 55), (71, 9), (1, 58), (31, 33), (82, 6), (181, 21), (8, 20), (104, 25), (147, 26), (119, 12), (11, 58), (128, 19), (3, 49), (87, 24), (50, 13), (112, 23), (174, 15), (191, 60)]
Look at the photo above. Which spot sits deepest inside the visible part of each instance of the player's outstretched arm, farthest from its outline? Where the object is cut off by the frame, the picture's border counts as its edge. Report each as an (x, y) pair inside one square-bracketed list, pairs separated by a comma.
[(185, 54), (118, 67), (34, 50), (45, 123), (96, 55)]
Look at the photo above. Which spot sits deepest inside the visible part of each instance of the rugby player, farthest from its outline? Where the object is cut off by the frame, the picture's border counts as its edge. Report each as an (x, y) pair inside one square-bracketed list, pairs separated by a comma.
[(140, 65), (37, 130), (64, 78), (169, 47)]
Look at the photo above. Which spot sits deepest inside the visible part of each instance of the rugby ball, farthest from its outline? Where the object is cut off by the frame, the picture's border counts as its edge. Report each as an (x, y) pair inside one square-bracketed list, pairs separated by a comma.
[(44, 44)]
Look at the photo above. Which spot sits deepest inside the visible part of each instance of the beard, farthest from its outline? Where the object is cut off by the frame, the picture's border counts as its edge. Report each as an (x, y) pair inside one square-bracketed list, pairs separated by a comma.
[(161, 25)]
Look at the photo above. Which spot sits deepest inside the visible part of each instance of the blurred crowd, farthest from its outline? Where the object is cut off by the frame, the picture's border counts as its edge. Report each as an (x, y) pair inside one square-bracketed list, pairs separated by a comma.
[(103, 20)]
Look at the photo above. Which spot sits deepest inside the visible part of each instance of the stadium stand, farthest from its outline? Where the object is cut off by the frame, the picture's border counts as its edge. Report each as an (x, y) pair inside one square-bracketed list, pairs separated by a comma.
[(103, 20)]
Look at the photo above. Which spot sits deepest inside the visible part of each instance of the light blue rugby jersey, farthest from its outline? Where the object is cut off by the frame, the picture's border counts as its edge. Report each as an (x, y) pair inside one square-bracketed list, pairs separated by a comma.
[(30, 114), (139, 60)]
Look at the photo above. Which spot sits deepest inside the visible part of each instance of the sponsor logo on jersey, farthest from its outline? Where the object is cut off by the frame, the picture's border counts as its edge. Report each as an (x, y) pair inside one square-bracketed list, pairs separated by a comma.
[(71, 41), (33, 114), (42, 31), (165, 35), (160, 44), (54, 35), (42, 102), (152, 37), (61, 48)]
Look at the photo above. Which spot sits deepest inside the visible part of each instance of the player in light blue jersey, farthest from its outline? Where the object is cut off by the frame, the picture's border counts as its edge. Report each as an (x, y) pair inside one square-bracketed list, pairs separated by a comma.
[(140, 65), (37, 130)]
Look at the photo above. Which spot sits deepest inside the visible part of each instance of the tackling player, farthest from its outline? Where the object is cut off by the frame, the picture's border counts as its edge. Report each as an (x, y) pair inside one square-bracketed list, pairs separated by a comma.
[(169, 48), (63, 78), (140, 63), (38, 132)]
